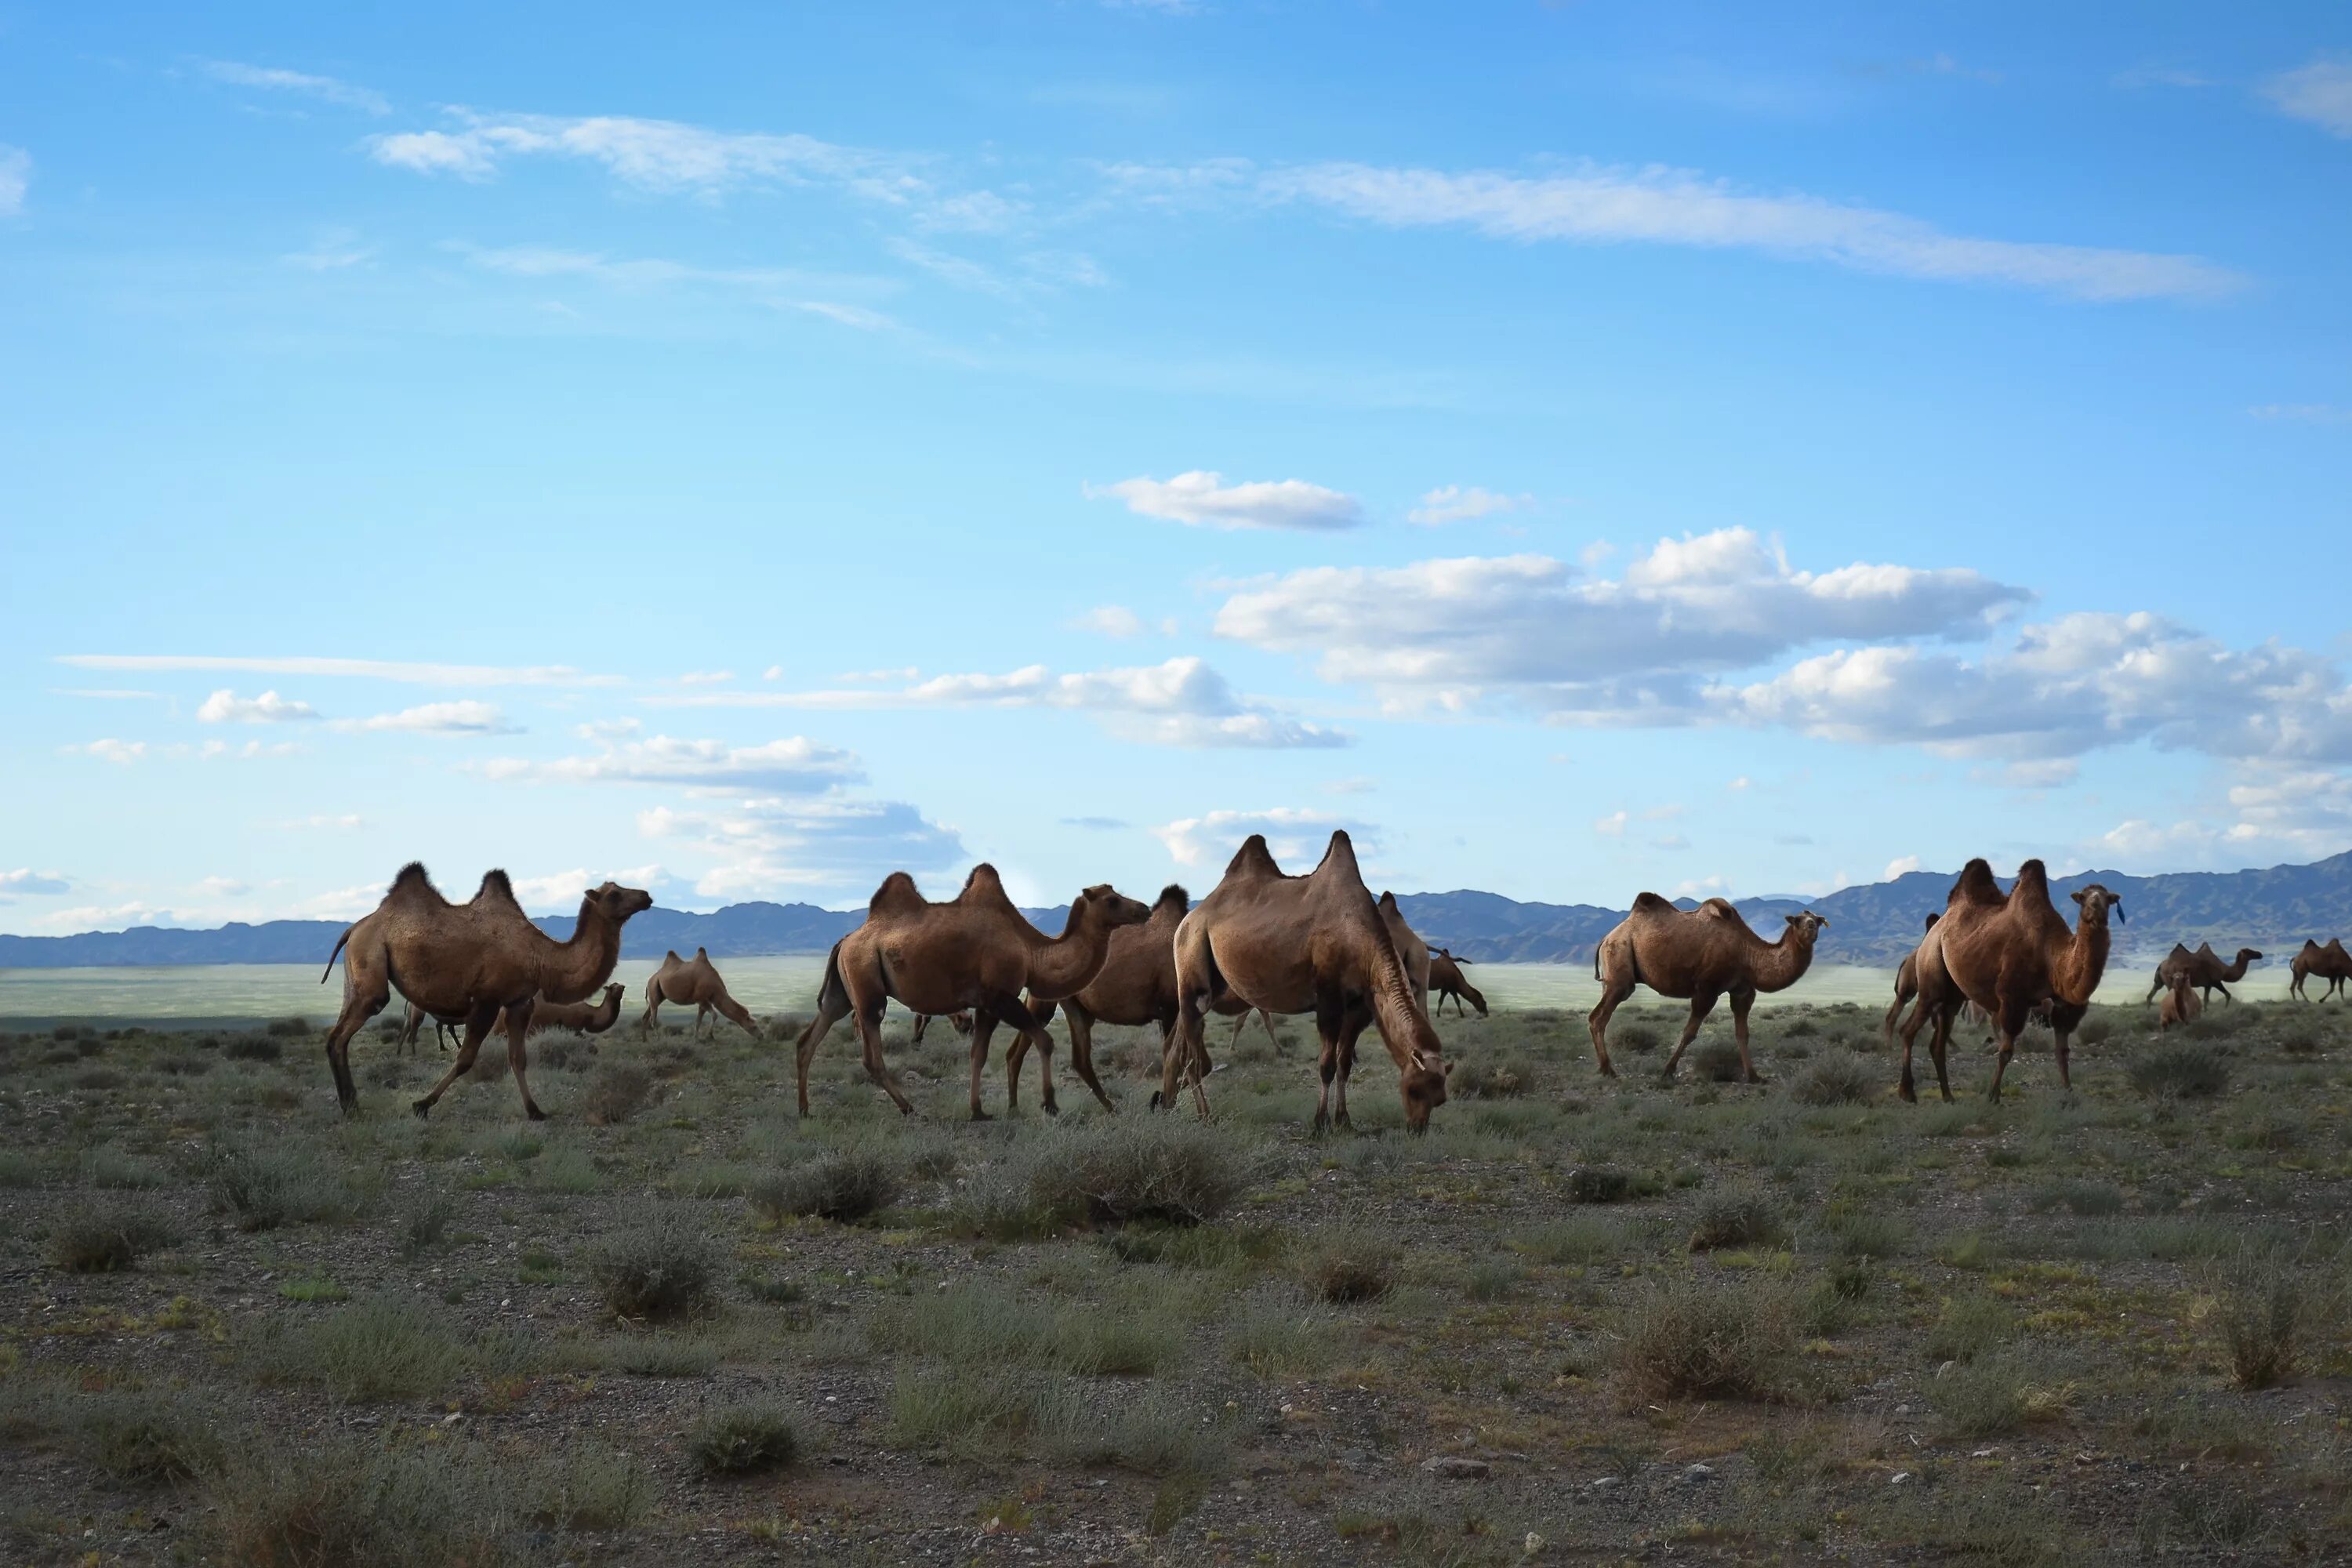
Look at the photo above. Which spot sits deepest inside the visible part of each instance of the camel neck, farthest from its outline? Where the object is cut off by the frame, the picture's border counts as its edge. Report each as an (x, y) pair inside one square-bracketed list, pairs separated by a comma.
[(1783, 963), (2076, 967), (1064, 965), (586, 960)]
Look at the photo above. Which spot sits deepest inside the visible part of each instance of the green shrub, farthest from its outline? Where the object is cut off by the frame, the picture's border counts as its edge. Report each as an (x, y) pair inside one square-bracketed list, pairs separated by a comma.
[(288, 1029), (845, 1185), (144, 1437), (2266, 1297), (1479, 1078), (584, 1487), (1717, 1061), (1579, 1239), (2093, 1200), (109, 1166), (1736, 1219), (2180, 1072), (1983, 1397), (101, 1237), (1834, 1080), (1348, 1266), (1636, 1039), (311, 1501), (1169, 1170), (423, 1222), (1599, 1185), (615, 1091), (1279, 1334), (253, 1049), (386, 1347), (744, 1439), (1687, 1337), (661, 1266), (277, 1185)]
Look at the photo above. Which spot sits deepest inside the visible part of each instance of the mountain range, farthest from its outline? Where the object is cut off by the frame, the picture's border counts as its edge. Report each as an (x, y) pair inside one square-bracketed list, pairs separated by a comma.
[(2273, 909)]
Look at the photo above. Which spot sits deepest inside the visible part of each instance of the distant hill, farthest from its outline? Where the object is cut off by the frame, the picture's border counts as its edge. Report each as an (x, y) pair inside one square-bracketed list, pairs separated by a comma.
[(2273, 909)]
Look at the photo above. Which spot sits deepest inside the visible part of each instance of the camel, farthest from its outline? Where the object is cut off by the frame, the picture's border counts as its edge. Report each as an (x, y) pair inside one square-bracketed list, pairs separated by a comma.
[(1135, 986), (2006, 953), (1413, 952), (1907, 983), (470, 961), (1294, 944), (1701, 953), (581, 1017), (1446, 979), (2331, 964), (444, 1029), (693, 981), (2204, 968), (960, 1022), (2181, 1004), (975, 950)]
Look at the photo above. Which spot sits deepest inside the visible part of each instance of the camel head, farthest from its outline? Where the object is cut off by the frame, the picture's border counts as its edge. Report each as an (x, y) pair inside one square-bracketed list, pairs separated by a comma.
[(1112, 907), (1805, 928), (2097, 904), (1423, 1085), (1933, 916), (613, 993), (2248, 954), (614, 903)]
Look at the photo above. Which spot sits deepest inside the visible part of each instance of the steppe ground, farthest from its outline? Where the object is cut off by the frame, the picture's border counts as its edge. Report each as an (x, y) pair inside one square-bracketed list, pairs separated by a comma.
[(1581, 1321)]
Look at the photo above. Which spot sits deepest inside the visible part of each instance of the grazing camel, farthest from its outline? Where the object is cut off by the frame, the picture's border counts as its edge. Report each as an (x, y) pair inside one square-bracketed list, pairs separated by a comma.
[(413, 1020), (582, 1017), (1446, 979), (1702, 954), (1411, 952), (693, 982), (2331, 964), (1907, 983), (1294, 944), (975, 950), (2204, 968), (470, 961), (2006, 953), (2181, 1004), (1135, 986)]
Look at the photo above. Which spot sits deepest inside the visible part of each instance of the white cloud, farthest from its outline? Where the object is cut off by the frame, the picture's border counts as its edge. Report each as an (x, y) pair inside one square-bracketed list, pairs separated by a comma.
[(1203, 499), (1703, 887), (560, 892), (705, 678), (1111, 621), (1598, 204), (777, 847), (1612, 825), (2318, 94), (226, 887), (1454, 503), (364, 669), (773, 672), (606, 728), (15, 179), (1742, 782), (1902, 865), (854, 316), (1631, 650), (121, 753), (466, 718), (107, 917), (794, 765), (1295, 837), (325, 89), (25, 880), (225, 707), (213, 750)]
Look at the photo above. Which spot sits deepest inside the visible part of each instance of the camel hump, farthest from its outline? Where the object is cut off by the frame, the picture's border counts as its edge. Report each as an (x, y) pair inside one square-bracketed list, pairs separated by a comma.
[(1253, 859), (2032, 877), (413, 883), (1173, 897), (701, 955), (1977, 885), (1933, 916), (1389, 903), (1719, 909), (897, 895), (495, 888), (1651, 904), (1340, 854), (984, 886)]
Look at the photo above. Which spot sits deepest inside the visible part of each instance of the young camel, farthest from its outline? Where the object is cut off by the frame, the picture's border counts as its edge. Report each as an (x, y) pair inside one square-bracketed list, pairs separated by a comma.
[(2181, 1004), (1907, 983), (2007, 954), (976, 950), (470, 961), (693, 983), (2204, 968), (1294, 944), (2331, 964), (1702, 954), (582, 1017), (1446, 979)]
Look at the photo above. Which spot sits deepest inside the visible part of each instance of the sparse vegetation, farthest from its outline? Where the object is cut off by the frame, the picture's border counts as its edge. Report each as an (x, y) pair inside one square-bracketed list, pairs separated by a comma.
[(2181, 1072), (661, 1266), (1708, 1337), (846, 1185), (95, 1237), (744, 1439)]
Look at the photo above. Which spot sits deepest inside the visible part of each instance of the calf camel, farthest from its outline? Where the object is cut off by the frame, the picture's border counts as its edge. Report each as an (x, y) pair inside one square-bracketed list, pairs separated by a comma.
[(1702, 954), (2204, 968), (1907, 983), (693, 982), (582, 1017), (1293, 944), (470, 961), (976, 950), (1446, 979), (2181, 1004), (2331, 964), (2006, 953)]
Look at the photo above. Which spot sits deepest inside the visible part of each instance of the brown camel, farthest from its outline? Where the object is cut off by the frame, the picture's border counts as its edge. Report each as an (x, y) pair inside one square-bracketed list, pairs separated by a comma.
[(1135, 986), (1907, 983), (2181, 1004), (581, 1017), (1446, 979), (413, 1020), (468, 961), (960, 1022), (976, 950), (2331, 964), (1411, 952), (1294, 944), (1702, 954), (2204, 968), (693, 983), (2006, 953)]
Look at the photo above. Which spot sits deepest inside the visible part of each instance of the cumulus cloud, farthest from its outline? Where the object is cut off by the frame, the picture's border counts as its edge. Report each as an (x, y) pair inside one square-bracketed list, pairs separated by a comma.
[(225, 707), (325, 89), (1901, 866), (437, 719), (1456, 503), (559, 893), (795, 765), (15, 179), (1111, 621), (2318, 94), (365, 669), (1612, 825), (1632, 649), (1203, 500), (774, 847), (25, 880), (1296, 837)]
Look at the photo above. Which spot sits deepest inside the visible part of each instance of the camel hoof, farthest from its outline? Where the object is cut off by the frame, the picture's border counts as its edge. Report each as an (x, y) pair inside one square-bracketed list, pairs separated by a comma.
[(1755, 1078), (1050, 1108), (424, 1108), (1909, 1094), (534, 1112), (1155, 1101), (980, 1115), (1948, 1097)]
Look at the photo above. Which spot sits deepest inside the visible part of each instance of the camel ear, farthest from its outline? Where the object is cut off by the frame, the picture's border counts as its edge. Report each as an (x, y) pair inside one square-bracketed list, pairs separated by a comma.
[(1449, 1070), (2077, 895)]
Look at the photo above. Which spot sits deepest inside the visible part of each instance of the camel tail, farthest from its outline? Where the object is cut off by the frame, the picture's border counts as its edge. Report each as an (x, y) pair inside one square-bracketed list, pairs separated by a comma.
[(831, 995), (338, 948)]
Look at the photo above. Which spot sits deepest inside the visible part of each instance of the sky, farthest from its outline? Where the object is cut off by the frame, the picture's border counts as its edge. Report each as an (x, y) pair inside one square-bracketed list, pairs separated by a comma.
[(1577, 448)]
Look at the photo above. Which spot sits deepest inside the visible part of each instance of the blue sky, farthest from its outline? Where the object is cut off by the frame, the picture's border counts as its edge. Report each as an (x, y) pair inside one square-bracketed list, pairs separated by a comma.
[(1580, 447)]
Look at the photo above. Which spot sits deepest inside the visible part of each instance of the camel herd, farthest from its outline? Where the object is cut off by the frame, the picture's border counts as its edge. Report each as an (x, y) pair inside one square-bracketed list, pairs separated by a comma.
[(1263, 942)]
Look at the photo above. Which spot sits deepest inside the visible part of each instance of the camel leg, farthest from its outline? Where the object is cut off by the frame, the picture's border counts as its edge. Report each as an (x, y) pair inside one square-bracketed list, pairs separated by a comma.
[(1740, 1001), (870, 1031), (1082, 1049), (650, 1019), (1351, 1027), (518, 1031), (1701, 1003), (1937, 1043), (701, 1011), (1326, 1066), (922, 1021), (2010, 1023), (2154, 987), (2223, 989), (1612, 996), (1014, 1011), (984, 1025), (739, 1015), (827, 1015), (1267, 1020), (477, 1029), (359, 1004), (1239, 1025), (2061, 1033)]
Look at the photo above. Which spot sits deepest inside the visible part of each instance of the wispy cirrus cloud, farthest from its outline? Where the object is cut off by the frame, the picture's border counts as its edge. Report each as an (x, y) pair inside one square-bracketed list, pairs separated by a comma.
[(1203, 500), (466, 718), (794, 765), (325, 89), (2317, 94), (414, 674), (1460, 503), (15, 179)]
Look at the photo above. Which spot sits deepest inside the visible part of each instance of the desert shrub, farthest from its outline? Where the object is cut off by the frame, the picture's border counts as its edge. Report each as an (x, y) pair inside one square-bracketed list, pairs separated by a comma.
[(584, 1487), (2267, 1294), (1855, 1232), (1736, 1219), (1480, 1078), (100, 1078), (2092, 1200), (1346, 1267), (1796, 1028), (423, 1222), (287, 1028), (1687, 1337), (1599, 1185), (662, 1266), (109, 1166), (1984, 1397), (1580, 1238), (615, 1091), (744, 1439), (358, 1504), (100, 1237), (1968, 1326), (1834, 1080), (846, 1184), (1276, 1332), (1636, 1039), (253, 1049), (1492, 1279), (268, 1186), (1716, 1061), (1170, 1170), (386, 1347), (2180, 1072), (2095, 1031), (2301, 1042)]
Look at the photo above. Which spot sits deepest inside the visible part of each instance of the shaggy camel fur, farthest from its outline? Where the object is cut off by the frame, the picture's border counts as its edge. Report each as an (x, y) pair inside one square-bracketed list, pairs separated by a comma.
[(1907, 983), (2331, 964), (1135, 986), (2204, 968), (693, 983), (1446, 979), (976, 950), (582, 1017), (2006, 953), (1702, 954), (2181, 1004), (1411, 952), (1294, 944), (468, 961)]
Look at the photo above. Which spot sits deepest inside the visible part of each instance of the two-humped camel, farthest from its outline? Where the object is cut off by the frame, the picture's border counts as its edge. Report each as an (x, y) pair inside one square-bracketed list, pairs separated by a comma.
[(1315, 943), (1703, 954), (412, 1021), (1411, 952), (2007, 953), (581, 1017), (1447, 980), (976, 952), (470, 961), (1135, 986), (693, 983), (2331, 964), (2181, 1004), (2204, 969)]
